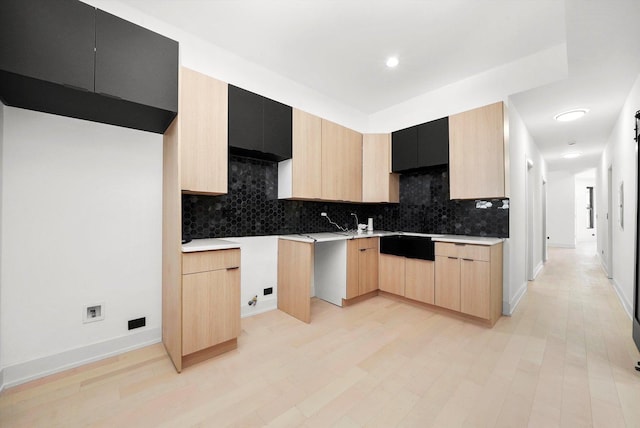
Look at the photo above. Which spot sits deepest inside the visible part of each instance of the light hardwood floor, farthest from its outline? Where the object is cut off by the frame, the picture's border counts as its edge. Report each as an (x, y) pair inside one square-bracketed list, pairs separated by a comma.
[(565, 358)]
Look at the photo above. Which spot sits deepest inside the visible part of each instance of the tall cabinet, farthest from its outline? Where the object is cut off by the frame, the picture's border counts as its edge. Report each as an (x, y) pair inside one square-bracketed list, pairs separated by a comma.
[(200, 291)]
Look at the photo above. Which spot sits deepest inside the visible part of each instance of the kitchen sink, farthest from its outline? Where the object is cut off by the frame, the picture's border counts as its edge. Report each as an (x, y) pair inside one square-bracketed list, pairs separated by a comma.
[(413, 247)]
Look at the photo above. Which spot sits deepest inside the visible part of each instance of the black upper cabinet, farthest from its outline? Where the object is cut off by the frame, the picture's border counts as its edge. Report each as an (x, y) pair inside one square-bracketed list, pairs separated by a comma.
[(403, 149), (245, 119), (420, 146), (258, 127), (50, 62), (48, 40), (135, 64), (433, 143), (278, 128)]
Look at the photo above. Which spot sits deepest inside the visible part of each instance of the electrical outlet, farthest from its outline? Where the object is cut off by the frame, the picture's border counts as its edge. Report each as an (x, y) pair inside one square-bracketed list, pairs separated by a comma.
[(267, 291), (92, 313), (137, 323)]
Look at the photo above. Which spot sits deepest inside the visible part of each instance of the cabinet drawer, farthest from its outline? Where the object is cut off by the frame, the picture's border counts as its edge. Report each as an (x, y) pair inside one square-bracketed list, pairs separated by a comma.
[(204, 261), (475, 252), (446, 249), (366, 243), (463, 251)]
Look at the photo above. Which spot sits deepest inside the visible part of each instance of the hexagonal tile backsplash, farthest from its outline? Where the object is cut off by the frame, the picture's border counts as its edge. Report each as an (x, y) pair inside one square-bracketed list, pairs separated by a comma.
[(252, 208)]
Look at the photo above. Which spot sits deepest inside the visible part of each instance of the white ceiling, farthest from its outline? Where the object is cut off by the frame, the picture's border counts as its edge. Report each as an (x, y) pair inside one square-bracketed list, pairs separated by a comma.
[(338, 48)]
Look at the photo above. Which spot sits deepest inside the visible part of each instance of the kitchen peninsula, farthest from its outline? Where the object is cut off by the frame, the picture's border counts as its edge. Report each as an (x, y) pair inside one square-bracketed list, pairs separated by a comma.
[(463, 275)]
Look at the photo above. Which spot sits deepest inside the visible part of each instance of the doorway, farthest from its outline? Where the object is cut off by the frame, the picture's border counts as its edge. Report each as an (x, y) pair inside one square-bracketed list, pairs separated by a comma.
[(545, 254), (530, 220), (608, 256)]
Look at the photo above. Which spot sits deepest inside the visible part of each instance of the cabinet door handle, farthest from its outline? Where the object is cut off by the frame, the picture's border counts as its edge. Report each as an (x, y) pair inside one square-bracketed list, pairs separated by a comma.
[(460, 245), (468, 260), (454, 258), (233, 268), (363, 249)]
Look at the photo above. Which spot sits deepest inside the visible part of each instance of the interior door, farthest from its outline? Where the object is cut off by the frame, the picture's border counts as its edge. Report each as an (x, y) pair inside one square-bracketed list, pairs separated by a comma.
[(636, 294)]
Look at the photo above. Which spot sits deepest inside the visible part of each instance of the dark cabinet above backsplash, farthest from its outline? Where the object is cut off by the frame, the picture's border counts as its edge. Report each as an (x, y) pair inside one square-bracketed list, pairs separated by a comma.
[(68, 58), (259, 127), (420, 146)]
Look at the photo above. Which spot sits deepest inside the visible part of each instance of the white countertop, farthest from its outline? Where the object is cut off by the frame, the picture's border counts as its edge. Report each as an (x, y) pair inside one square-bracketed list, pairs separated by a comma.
[(333, 236), (208, 244), (339, 236)]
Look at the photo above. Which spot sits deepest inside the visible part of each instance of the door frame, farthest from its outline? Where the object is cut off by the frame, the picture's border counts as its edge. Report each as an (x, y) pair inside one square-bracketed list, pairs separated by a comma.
[(609, 228), (545, 254), (529, 216)]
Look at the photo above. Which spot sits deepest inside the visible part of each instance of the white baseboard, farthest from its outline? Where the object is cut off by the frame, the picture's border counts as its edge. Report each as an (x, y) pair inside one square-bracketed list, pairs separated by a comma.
[(561, 245), (538, 269), (16, 374), (263, 305), (510, 306), (628, 307), (605, 267)]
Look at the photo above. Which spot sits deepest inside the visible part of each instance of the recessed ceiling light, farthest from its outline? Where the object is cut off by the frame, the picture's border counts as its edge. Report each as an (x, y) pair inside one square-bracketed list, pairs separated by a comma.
[(392, 62), (571, 155), (570, 115)]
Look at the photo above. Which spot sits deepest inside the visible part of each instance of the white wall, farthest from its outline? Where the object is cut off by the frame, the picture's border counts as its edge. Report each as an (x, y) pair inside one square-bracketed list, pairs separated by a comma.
[(81, 224), (561, 210), (258, 270), (214, 61), (621, 152), (522, 147), (541, 68), (584, 180)]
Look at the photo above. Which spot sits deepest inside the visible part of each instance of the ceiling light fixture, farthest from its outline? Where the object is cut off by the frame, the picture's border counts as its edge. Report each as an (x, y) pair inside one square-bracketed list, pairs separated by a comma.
[(570, 115), (571, 155), (392, 62)]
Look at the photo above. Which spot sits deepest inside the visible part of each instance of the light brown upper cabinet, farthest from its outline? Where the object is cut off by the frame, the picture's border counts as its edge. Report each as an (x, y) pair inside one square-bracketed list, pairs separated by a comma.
[(479, 154), (378, 183), (341, 163), (306, 169), (331, 162), (200, 130)]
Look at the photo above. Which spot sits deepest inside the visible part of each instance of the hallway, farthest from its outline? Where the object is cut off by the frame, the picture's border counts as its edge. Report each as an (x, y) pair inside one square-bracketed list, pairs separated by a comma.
[(589, 355), (565, 358)]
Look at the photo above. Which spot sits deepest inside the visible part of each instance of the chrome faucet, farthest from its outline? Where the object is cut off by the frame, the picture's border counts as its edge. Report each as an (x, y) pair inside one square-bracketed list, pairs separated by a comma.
[(357, 222)]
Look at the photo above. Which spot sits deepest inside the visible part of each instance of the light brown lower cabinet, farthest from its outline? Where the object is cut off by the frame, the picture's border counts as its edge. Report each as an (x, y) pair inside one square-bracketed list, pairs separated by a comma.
[(475, 288), (448, 282), (295, 273), (391, 274), (362, 266), (211, 308), (469, 279), (411, 278), (210, 321), (419, 280)]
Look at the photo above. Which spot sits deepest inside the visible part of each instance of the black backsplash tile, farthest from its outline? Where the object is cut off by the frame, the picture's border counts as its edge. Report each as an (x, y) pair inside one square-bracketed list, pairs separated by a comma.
[(252, 208)]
